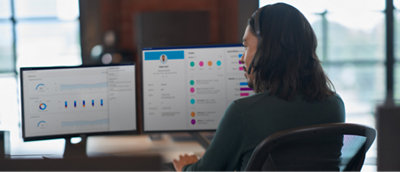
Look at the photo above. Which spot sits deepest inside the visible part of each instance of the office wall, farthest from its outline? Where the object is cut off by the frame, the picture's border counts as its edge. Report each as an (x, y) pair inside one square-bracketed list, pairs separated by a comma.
[(245, 9), (90, 28), (227, 20)]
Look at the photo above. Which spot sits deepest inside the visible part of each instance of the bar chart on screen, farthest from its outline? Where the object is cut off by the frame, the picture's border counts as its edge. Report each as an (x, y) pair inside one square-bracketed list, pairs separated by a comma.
[(68, 100)]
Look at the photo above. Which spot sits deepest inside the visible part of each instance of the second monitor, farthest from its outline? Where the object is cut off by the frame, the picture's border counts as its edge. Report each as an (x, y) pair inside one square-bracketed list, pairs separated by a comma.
[(189, 88), (59, 102)]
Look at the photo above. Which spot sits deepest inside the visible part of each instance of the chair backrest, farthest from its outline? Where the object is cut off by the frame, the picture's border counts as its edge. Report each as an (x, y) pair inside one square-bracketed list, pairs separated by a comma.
[(325, 147)]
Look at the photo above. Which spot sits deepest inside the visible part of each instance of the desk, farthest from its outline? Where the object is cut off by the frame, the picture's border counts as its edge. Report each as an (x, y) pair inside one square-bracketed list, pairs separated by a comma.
[(131, 145), (137, 145), (116, 145), (110, 153)]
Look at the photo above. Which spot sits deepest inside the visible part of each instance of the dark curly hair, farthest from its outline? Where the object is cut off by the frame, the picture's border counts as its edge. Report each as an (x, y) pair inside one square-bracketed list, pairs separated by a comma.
[(286, 64)]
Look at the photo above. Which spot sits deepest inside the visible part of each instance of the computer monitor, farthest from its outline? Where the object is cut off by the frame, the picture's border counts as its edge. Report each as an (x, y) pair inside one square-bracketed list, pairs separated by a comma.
[(62, 102), (189, 88)]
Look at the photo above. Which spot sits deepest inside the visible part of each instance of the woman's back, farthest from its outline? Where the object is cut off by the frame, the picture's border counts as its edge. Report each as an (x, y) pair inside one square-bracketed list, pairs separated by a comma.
[(266, 115), (250, 120)]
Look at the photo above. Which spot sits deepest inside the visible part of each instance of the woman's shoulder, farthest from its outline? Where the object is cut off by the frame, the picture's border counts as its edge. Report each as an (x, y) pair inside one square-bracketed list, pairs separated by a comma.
[(251, 100), (335, 98), (243, 104), (254, 101), (265, 99)]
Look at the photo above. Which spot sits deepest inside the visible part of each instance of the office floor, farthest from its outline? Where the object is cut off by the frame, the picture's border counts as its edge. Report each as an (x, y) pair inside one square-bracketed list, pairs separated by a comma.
[(120, 145)]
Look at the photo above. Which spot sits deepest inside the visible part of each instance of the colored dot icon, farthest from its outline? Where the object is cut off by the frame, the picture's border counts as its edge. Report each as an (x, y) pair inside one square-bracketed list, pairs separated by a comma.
[(201, 63), (192, 90), (42, 106), (192, 114), (219, 63), (192, 64), (193, 121), (192, 101), (209, 63), (240, 55), (191, 82)]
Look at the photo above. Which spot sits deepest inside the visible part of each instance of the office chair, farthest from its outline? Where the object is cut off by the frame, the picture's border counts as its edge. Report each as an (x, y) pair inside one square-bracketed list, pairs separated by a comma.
[(325, 147)]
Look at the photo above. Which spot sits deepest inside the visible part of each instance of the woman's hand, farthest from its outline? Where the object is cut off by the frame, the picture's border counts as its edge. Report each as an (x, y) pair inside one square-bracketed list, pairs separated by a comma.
[(184, 160)]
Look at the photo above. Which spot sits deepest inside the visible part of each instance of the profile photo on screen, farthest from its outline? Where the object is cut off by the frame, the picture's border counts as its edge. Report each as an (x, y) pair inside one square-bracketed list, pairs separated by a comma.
[(163, 59)]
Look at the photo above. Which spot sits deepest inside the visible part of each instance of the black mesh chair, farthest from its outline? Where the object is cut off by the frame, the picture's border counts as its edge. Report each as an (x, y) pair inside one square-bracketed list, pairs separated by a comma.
[(325, 147)]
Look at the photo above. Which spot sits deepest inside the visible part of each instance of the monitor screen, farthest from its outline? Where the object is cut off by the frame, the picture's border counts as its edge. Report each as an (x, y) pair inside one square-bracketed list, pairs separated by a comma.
[(189, 88), (66, 101)]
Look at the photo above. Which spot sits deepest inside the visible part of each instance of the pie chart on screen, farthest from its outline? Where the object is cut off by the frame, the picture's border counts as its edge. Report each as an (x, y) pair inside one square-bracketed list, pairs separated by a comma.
[(42, 106)]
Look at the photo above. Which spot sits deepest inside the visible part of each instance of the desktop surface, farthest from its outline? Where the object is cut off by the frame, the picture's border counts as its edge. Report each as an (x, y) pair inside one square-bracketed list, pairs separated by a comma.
[(189, 88), (104, 163), (130, 146)]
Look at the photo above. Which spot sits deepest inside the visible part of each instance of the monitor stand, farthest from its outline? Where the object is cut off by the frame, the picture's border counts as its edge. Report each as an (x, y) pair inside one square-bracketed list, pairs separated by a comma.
[(73, 150)]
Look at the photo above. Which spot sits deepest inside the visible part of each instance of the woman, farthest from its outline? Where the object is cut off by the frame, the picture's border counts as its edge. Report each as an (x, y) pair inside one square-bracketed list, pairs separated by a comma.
[(291, 88)]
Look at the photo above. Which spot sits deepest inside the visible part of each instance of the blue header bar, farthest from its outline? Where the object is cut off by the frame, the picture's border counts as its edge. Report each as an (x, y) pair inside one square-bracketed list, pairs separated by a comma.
[(170, 55), (191, 47)]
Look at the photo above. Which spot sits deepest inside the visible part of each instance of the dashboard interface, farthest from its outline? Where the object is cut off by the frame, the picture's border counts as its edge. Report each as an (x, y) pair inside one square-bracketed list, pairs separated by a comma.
[(59, 101), (190, 88)]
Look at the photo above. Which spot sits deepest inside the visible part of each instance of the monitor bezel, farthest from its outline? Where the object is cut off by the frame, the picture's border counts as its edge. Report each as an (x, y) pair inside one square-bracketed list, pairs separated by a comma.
[(58, 136), (142, 89)]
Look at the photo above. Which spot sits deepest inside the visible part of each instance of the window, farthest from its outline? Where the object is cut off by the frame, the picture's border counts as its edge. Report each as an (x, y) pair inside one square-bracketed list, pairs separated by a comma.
[(6, 38), (351, 46), (34, 33), (397, 50), (47, 32), (39, 33)]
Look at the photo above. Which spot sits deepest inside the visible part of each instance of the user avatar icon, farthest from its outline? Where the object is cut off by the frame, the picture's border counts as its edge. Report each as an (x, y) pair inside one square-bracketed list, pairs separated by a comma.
[(163, 58)]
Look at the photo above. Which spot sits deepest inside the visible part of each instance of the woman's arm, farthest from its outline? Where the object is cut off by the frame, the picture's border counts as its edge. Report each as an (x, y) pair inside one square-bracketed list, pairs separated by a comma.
[(225, 149)]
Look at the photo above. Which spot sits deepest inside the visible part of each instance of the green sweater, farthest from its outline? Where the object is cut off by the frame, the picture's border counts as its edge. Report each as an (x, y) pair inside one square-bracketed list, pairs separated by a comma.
[(250, 120)]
